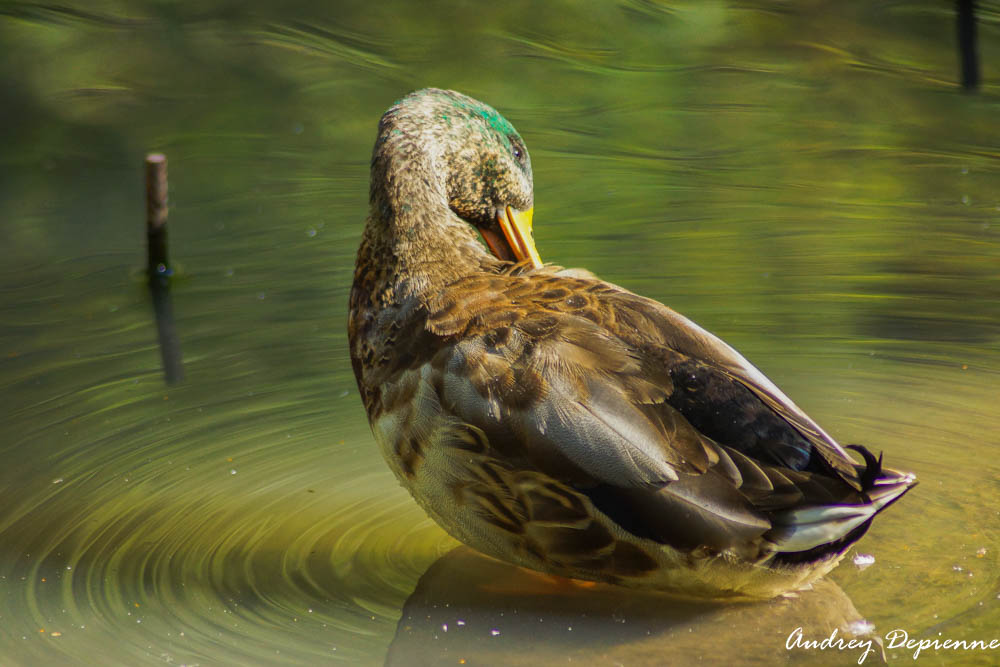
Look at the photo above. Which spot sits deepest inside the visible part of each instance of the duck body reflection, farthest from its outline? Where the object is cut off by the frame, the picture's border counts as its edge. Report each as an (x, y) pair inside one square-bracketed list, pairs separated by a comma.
[(470, 607)]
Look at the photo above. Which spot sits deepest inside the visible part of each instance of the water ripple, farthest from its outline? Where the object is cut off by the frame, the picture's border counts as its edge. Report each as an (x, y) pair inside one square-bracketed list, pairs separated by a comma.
[(223, 517)]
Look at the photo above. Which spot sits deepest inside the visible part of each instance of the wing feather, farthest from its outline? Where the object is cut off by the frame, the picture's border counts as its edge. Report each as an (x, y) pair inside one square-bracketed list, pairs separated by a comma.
[(586, 382)]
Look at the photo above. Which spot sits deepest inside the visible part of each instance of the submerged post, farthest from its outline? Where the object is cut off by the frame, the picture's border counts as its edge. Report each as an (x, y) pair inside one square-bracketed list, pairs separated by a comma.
[(967, 49), (158, 267)]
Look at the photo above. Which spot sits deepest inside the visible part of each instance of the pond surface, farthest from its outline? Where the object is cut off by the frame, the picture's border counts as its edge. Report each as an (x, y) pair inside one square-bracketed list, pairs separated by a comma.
[(804, 179)]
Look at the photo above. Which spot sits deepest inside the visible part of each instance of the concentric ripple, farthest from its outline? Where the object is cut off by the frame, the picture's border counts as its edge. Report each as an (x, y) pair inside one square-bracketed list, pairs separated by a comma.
[(185, 555), (219, 522)]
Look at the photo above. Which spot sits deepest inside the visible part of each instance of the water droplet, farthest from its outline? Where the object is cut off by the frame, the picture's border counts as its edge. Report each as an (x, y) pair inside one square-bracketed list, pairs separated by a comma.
[(863, 561), (861, 627)]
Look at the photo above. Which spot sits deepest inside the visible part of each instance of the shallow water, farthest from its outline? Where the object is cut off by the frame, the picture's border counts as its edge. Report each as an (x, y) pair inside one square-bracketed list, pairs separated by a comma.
[(806, 181)]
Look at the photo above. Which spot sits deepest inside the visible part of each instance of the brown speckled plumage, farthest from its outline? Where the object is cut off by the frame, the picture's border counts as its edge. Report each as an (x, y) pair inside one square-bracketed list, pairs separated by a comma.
[(563, 423)]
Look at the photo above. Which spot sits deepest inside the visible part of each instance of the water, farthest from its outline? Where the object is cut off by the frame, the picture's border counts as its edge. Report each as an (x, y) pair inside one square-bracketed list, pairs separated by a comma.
[(805, 180)]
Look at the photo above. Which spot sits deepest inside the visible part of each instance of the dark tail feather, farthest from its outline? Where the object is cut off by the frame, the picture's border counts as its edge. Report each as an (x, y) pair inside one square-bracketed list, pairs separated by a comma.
[(818, 530), (873, 467)]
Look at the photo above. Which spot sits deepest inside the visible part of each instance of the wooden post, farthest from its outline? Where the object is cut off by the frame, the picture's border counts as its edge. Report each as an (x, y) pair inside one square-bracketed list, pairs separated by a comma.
[(156, 214), (158, 267)]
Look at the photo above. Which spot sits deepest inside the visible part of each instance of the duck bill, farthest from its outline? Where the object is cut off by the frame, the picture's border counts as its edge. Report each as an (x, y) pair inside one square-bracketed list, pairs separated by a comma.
[(498, 245), (516, 228)]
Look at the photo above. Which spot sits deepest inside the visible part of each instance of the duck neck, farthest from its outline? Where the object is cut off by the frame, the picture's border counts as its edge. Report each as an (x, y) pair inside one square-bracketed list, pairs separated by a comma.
[(413, 242)]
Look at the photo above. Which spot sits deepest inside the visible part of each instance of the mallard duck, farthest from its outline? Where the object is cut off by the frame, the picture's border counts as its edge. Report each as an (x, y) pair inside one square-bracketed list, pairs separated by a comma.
[(562, 423)]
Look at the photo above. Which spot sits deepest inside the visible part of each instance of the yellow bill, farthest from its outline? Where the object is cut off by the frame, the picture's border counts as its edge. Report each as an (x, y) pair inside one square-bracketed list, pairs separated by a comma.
[(516, 228)]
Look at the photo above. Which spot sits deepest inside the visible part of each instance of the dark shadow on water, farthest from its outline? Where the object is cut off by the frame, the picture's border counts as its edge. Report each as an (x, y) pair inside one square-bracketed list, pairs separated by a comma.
[(473, 610), (166, 330)]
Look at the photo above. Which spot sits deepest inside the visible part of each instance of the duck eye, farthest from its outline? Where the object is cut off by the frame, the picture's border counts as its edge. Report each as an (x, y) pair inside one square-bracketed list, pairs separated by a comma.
[(516, 148)]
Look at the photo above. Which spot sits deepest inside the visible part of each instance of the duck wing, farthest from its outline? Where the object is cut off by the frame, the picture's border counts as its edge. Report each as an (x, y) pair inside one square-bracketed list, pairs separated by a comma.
[(667, 429), (724, 395)]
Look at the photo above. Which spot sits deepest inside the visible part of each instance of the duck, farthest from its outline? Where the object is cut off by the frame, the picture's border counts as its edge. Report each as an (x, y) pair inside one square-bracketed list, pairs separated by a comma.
[(564, 424)]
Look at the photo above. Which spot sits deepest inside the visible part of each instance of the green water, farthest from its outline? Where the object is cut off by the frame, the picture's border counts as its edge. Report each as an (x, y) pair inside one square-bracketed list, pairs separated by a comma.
[(804, 179)]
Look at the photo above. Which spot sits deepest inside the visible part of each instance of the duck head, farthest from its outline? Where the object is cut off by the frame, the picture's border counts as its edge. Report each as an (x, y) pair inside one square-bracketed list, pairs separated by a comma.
[(440, 153)]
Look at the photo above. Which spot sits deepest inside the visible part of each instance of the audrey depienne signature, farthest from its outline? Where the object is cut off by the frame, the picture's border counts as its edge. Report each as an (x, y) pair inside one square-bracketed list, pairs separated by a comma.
[(899, 638)]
